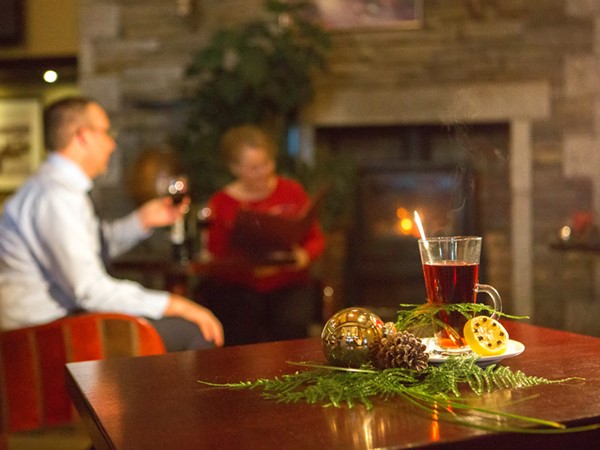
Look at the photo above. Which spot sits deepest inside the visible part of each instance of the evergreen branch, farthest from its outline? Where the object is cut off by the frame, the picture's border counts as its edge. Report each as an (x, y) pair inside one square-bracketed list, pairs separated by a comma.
[(364, 369), (435, 391), (422, 318)]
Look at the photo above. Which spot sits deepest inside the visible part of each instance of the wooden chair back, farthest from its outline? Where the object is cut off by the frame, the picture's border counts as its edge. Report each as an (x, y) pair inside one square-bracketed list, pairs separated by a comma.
[(33, 394)]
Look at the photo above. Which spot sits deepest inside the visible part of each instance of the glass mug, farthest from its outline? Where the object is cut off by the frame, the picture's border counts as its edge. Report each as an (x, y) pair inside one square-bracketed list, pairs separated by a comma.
[(451, 272)]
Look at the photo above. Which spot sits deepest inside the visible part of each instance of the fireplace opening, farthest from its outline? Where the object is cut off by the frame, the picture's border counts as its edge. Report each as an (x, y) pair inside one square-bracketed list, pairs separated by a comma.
[(383, 262), (453, 176)]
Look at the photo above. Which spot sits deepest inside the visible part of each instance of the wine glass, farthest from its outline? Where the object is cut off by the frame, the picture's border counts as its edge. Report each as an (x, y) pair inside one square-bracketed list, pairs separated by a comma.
[(177, 188), (203, 222)]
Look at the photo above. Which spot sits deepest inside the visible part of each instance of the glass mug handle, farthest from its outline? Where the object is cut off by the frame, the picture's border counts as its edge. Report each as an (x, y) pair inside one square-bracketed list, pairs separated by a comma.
[(493, 293)]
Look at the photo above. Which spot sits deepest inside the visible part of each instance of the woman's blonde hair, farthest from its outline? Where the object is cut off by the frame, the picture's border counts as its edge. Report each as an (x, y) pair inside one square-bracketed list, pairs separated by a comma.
[(236, 139)]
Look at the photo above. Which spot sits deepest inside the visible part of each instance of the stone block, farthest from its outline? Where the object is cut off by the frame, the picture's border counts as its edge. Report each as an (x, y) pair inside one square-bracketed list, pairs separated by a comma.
[(499, 29), (581, 155), (573, 113), (153, 83), (104, 88), (582, 8), (581, 75), (99, 19)]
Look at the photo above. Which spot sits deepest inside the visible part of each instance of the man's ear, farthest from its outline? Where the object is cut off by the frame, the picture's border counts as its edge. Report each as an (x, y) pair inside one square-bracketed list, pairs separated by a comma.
[(82, 135)]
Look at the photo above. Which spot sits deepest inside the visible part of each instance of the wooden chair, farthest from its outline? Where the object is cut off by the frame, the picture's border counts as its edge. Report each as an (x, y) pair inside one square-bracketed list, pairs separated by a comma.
[(32, 364)]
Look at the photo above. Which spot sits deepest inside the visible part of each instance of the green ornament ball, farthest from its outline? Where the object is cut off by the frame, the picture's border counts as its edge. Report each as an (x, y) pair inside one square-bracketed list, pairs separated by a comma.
[(347, 334)]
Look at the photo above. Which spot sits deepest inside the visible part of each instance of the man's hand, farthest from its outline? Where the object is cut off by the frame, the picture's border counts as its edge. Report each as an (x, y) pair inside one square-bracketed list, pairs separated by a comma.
[(161, 212), (209, 325)]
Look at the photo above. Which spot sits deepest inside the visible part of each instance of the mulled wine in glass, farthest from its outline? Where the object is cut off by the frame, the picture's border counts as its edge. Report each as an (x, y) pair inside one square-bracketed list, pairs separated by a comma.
[(451, 272)]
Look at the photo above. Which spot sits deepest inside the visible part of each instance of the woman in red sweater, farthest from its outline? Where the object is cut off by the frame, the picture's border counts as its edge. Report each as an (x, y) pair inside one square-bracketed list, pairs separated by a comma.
[(261, 302)]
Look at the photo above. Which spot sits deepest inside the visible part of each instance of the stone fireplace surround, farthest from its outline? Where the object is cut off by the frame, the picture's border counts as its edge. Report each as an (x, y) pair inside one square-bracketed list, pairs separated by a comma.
[(518, 104)]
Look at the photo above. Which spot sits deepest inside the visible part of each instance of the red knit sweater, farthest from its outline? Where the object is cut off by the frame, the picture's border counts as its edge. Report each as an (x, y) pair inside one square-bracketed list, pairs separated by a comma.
[(289, 197)]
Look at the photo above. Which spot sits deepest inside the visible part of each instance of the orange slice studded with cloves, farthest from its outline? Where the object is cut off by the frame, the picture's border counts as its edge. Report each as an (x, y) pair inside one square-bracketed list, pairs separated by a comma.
[(486, 336)]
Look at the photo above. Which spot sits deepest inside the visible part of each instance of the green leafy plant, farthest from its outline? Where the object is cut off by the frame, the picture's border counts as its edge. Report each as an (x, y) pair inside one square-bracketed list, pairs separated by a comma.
[(440, 390), (259, 72)]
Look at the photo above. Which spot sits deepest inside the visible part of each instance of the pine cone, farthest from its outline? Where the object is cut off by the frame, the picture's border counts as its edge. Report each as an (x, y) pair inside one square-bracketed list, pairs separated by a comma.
[(402, 349)]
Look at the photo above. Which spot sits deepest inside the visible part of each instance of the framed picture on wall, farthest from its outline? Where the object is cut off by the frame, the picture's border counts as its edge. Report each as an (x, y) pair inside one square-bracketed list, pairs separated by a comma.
[(368, 14), (21, 141)]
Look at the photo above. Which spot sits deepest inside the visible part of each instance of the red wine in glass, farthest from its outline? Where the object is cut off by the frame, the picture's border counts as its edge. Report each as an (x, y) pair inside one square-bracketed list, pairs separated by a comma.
[(178, 188)]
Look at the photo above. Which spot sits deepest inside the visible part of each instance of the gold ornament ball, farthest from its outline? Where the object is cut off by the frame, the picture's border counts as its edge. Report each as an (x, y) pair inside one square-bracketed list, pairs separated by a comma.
[(347, 334)]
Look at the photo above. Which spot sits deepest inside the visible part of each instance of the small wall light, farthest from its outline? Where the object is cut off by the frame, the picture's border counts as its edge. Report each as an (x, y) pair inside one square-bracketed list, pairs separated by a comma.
[(50, 76)]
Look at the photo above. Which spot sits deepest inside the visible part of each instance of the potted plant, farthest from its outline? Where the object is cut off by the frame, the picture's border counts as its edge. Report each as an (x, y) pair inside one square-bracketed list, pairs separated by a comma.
[(259, 72)]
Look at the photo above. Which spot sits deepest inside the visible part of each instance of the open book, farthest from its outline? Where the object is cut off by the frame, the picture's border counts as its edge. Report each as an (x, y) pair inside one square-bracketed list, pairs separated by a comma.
[(270, 235)]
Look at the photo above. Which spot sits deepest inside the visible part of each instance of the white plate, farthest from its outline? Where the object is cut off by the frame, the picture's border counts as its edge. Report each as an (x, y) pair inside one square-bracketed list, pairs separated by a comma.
[(438, 355)]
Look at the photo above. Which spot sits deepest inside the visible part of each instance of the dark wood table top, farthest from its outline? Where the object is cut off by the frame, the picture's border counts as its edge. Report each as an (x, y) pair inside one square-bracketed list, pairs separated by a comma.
[(156, 402)]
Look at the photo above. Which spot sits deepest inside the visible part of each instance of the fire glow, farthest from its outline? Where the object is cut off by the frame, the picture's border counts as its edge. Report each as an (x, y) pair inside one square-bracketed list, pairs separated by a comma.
[(405, 225)]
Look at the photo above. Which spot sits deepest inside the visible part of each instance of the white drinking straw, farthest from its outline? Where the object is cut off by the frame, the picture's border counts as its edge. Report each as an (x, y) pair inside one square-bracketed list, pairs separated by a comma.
[(420, 225)]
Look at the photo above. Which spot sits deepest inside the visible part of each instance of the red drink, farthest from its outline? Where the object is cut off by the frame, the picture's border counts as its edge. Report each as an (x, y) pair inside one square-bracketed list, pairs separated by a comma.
[(450, 282)]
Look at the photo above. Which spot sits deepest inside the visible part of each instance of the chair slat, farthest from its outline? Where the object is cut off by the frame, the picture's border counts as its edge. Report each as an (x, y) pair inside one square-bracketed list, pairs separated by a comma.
[(22, 394), (52, 357), (85, 337), (149, 341)]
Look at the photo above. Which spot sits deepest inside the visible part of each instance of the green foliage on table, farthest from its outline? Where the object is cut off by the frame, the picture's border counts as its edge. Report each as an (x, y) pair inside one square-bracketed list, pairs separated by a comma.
[(439, 390), (451, 391), (421, 319)]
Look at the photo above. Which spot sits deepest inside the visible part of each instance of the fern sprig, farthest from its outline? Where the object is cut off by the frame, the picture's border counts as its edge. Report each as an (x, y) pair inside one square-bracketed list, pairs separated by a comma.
[(438, 391), (447, 392)]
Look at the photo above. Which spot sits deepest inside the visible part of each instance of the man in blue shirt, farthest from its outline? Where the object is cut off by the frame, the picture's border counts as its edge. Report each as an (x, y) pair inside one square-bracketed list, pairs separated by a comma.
[(50, 247)]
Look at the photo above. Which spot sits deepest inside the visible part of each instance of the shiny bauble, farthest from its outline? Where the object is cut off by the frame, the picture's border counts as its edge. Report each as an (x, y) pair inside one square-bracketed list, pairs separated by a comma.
[(347, 334)]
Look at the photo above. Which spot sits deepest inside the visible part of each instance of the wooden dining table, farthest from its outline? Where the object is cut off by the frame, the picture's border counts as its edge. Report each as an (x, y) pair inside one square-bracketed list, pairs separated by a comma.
[(157, 402)]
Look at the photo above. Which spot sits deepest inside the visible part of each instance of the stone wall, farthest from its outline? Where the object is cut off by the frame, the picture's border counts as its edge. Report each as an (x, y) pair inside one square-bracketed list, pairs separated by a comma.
[(133, 54)]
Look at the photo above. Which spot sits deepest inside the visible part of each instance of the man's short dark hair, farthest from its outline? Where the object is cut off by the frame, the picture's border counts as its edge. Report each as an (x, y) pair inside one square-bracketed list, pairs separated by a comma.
[(62, 119)]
